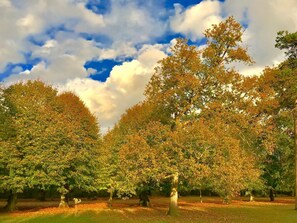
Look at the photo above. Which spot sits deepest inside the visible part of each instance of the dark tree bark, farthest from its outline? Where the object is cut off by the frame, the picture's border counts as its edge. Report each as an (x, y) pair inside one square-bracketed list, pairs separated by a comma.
[(11, 201), (42, 195), (144, 200), (271, 195)]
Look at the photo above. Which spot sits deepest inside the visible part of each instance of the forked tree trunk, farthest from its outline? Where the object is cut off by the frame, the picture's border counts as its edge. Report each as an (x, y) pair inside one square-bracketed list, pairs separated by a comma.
[(11, 201), (173, 206)]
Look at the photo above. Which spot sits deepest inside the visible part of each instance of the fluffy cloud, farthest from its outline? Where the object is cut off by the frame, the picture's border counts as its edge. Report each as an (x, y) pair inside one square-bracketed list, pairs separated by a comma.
[(23, 19), (61, 52), (123, 88), (125, 25), (264, 19), (130, 23), (193, 21), (61, 60)]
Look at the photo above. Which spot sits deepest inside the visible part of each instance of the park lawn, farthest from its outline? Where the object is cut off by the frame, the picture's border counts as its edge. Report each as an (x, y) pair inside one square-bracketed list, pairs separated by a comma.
[(211, 211)]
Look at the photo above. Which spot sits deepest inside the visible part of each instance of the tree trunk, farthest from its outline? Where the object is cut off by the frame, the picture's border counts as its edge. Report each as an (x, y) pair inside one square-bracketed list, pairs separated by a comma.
[(11, 201), (271, 195), (110, 197), (173, 206), (144, 200), (42, 195), (226, 199), (251, 197), (200, 195), (63, 202)]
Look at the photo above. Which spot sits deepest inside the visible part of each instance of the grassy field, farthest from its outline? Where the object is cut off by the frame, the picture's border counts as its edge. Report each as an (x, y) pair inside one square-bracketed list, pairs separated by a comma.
[(191, 210)]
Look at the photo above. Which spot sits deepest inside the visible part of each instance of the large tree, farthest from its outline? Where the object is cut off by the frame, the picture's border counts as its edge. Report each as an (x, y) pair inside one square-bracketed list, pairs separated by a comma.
[(32, 119), (116, 142), (192, 85), (55, 143), (80, 143), (8, 155), (285, 86)]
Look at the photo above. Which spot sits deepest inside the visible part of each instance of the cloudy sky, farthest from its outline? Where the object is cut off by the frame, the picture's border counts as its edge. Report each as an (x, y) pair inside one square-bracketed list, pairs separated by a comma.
[(105, 50)]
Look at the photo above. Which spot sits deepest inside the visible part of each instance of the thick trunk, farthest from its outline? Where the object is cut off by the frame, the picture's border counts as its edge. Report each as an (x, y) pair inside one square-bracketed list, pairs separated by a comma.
[(63, 202), (144, 200), (173, 206), (11, 201)]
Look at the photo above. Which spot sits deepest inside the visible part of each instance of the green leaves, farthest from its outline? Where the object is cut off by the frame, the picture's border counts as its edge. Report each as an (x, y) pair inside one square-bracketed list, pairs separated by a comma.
[(288, 41), (56, 141)]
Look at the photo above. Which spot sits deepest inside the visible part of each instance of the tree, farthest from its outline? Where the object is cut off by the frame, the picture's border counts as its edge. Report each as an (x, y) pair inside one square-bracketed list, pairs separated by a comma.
[(193, 85), (116, 142), (141, 161), (31, 118), (287, 83), (7, 133), (56, 141), (80, 141), (174, 87), (287, 41)]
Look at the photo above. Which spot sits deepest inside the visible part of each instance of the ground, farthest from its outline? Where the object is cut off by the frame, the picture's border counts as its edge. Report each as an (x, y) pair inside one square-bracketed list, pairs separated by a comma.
[(191, 210)]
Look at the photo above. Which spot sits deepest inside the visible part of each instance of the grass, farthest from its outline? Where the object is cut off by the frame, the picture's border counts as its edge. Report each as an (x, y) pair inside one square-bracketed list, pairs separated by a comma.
[(190, 210)]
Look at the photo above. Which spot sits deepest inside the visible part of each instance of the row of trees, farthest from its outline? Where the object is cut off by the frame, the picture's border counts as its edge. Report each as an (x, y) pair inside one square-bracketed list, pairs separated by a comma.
[(205, 126), (201, 126)]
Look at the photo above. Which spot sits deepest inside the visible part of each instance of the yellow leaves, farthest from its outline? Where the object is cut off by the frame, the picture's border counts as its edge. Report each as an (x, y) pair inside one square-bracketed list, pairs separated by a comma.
[(229, 30), (240, 54), (223, 43)]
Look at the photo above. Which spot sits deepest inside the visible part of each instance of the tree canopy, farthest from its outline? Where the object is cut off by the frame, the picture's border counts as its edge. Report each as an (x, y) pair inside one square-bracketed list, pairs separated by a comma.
[(54, 142)]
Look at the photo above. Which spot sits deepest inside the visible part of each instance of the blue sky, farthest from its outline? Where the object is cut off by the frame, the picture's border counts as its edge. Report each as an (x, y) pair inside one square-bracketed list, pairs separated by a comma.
[(105, 50)]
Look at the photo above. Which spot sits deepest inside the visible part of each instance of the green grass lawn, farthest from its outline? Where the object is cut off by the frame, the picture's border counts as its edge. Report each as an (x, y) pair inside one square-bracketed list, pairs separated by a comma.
[(212, 210)]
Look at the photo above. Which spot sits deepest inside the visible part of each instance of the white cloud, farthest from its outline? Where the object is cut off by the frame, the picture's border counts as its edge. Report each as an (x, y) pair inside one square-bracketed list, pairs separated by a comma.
[(118, 50), (21, 19), (264, 19), (123, 88), (62, 61), (127, 22), (193, 21), (125, 26)]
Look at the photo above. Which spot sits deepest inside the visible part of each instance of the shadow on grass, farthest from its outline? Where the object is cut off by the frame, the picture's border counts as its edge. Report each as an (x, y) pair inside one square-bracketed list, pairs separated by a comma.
[(189, 211)]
